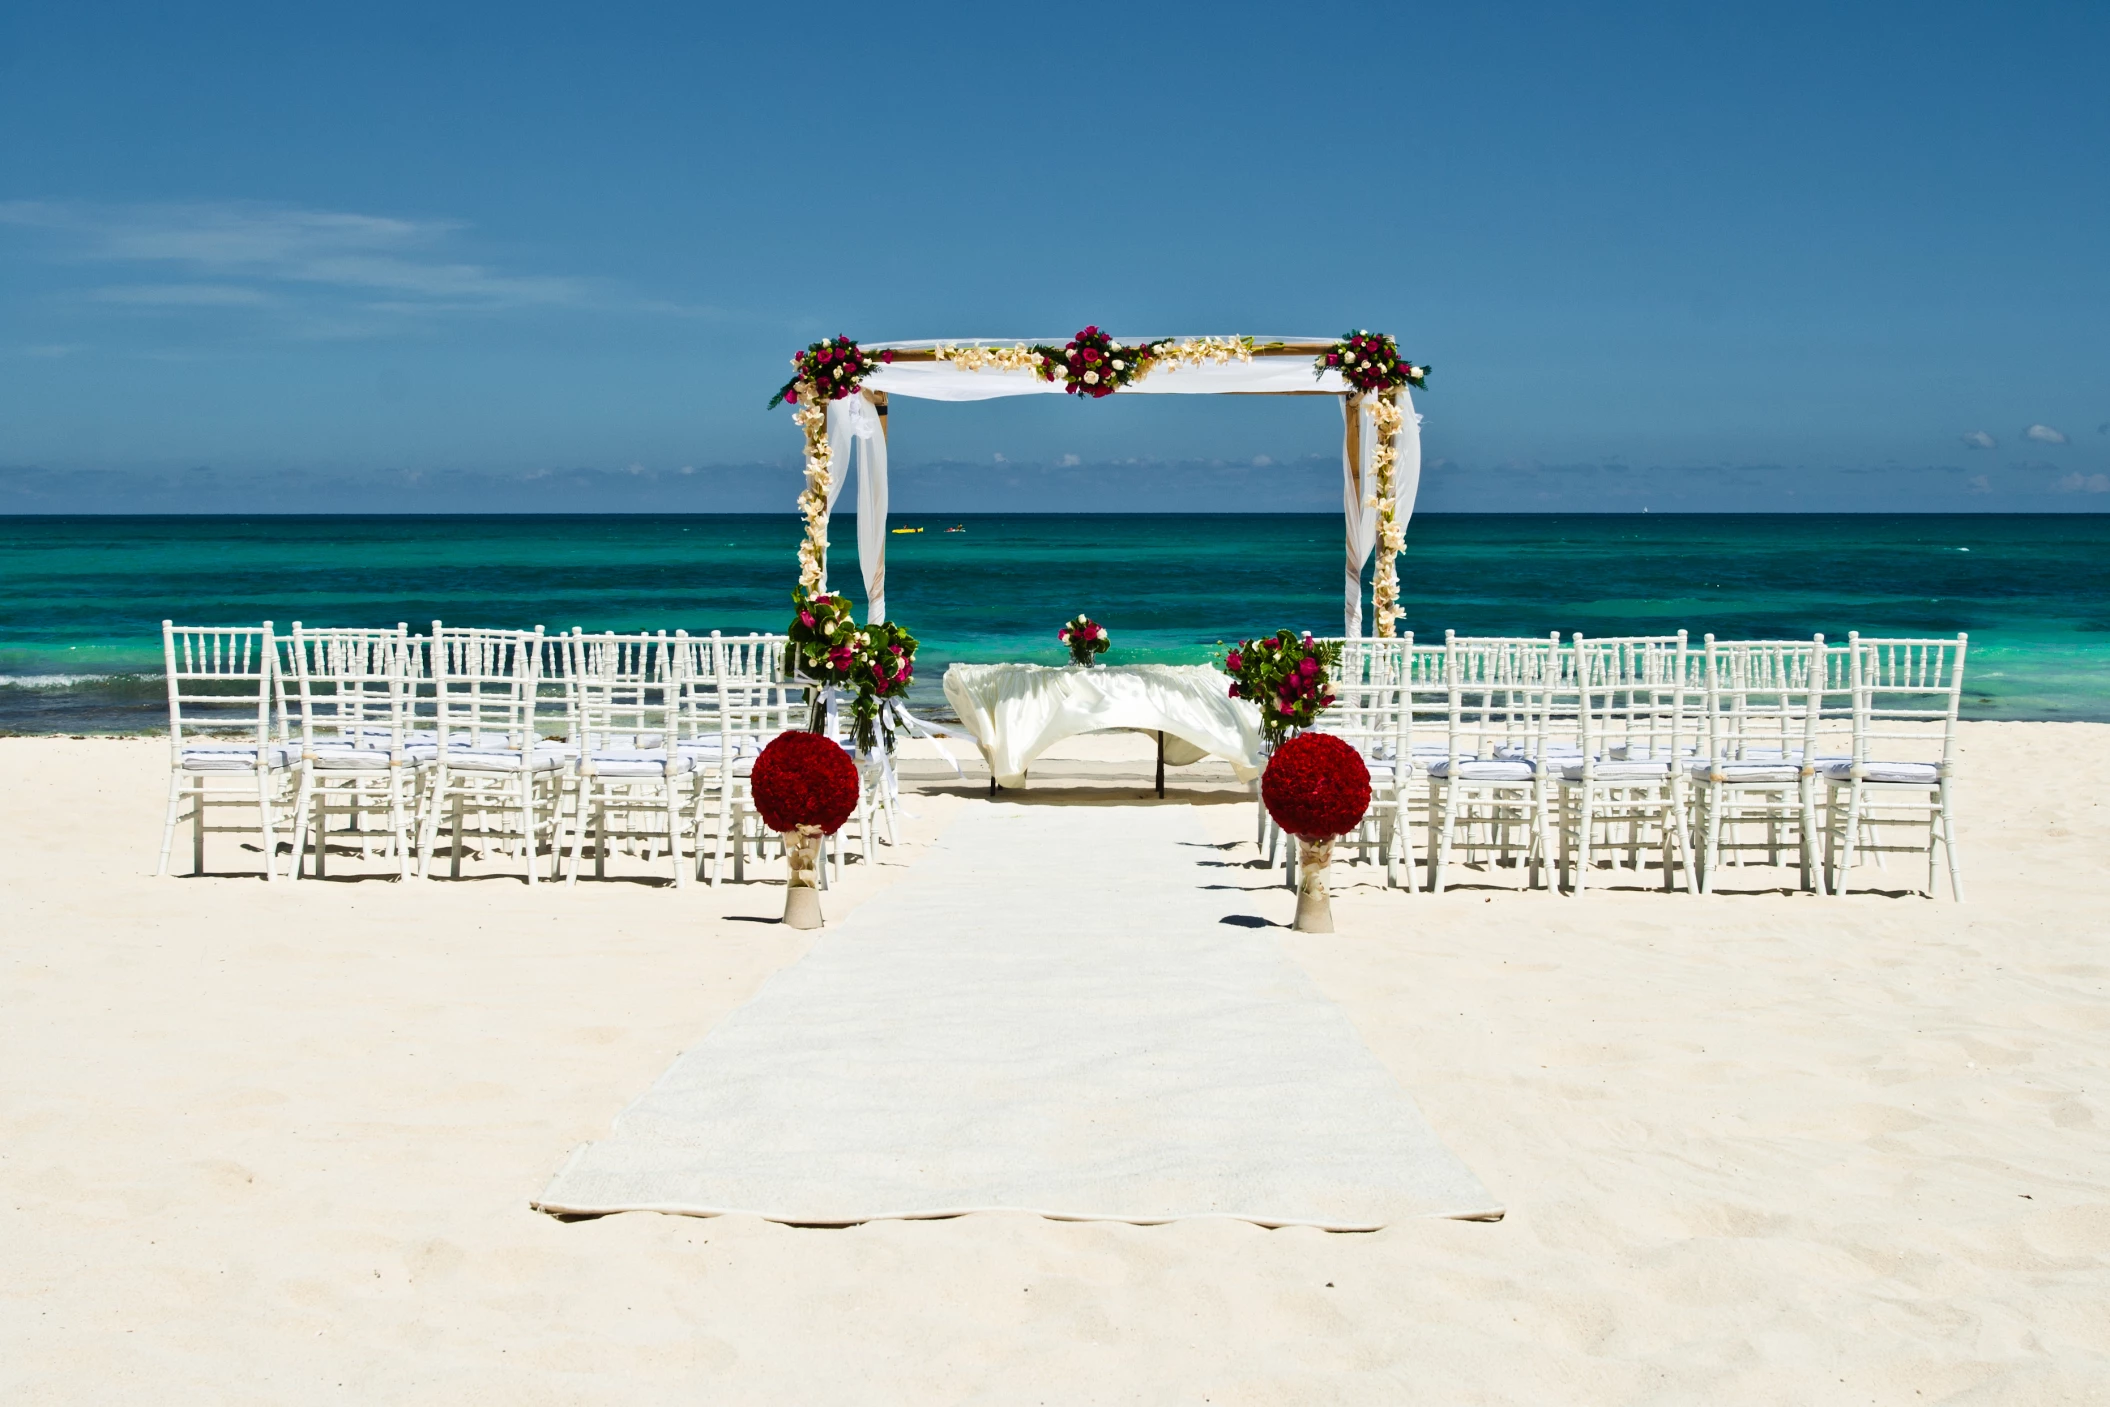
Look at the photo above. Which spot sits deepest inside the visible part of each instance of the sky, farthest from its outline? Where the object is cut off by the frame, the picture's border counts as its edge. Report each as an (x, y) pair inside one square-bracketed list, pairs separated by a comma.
[(537, 258)]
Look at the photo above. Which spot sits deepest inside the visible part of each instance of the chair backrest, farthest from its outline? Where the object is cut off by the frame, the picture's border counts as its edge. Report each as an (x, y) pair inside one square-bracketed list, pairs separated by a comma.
[(625, 691), (1907, 693), (1635, 699), (1370, 708), (1500, 692), (484, 685), (350, 687), (1765, 699), (734, 691), (221, 677), (757, 699)]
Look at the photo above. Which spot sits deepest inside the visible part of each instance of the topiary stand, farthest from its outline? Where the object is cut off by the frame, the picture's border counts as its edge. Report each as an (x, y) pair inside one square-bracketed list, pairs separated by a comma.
[(1314, 901), (1317, 788), (805, 786), (802, 895)]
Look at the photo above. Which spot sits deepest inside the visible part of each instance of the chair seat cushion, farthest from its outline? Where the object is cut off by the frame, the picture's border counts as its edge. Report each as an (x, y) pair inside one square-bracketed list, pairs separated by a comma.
[(1614, 770), (232, 757), (1746, 771), (1470, 771), (493, 760), (713, 746), (634, 763), (1523, 752), (1911, 773), (349, 759)]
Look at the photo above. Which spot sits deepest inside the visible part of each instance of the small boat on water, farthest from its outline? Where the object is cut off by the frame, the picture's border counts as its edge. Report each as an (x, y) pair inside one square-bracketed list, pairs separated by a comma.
[(960, 528), (899, 531)]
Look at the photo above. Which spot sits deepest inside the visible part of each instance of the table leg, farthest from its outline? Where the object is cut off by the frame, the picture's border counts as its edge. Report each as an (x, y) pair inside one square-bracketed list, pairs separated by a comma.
[(1161, 763)]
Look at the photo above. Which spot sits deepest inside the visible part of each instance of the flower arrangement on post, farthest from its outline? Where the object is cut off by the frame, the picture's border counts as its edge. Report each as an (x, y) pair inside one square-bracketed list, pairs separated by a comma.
[(805, 786), (1317, 788), (1086, 638), (831, 370), (882, 665), (1286, 676), (1370, 361), (823, 637), (872, 663)]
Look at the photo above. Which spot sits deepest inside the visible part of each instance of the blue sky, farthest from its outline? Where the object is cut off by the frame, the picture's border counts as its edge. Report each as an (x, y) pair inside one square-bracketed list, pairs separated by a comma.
[(1684, 257)]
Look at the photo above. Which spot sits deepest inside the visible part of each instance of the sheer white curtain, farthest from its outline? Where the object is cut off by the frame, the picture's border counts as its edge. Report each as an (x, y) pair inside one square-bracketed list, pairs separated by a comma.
[(1359, 500), (854, 421)]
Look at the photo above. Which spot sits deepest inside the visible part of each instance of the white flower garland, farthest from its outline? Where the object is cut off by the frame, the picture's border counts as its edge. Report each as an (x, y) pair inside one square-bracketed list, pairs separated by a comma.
[(1019, 357), (812, 417), (1386, 417), (1200, 351)]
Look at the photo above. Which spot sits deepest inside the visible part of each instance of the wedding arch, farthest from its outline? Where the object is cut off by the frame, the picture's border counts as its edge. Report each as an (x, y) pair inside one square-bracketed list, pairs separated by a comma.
[(841, 391)]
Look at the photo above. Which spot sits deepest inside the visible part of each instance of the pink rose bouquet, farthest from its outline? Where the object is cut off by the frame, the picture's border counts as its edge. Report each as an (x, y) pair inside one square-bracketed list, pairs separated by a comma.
[(1086, 638)]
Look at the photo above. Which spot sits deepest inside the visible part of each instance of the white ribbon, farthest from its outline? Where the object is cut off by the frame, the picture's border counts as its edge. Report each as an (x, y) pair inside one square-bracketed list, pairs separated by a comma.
[(854, 421), (1359, 508)]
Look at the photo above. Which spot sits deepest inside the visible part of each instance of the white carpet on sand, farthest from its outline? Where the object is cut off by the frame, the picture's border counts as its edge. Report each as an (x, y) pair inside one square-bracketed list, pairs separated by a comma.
[(1048, 1013)]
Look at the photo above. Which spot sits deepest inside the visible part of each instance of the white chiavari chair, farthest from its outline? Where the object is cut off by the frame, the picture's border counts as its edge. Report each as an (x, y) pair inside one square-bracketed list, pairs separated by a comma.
[(1370, 713), (1895, 794), (486, 758), (223, 679), (1755, 782), (1635, 721), (738, 698), (625, 699), (351, 695), (1488, 792)]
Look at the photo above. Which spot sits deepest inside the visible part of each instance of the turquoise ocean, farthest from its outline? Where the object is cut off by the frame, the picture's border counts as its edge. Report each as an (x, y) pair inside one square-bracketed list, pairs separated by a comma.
[(82, 598)]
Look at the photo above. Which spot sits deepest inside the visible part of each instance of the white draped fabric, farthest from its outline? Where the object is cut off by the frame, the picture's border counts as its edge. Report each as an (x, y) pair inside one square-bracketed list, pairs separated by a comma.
[(1359, 504), (853, 421), (1018, 711), (942, 381)]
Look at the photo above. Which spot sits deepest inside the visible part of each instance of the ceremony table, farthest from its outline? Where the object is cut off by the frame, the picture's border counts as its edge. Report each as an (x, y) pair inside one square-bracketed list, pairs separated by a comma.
[(1018, 711)]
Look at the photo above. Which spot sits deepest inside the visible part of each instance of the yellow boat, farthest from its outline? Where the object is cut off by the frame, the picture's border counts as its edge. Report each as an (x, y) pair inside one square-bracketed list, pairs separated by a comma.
[(898, 531)]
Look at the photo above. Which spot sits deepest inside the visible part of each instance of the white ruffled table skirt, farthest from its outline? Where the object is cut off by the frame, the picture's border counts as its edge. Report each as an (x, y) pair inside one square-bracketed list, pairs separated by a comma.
[(1018, 711)]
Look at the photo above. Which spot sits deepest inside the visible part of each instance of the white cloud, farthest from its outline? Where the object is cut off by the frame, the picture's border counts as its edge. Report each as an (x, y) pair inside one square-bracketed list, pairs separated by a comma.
[(52, 350), (2075, 483), (1070, 461), (1261, 461), (2044, 434), (1979, 439), (401, 261), (182, 295), (1978, 483)]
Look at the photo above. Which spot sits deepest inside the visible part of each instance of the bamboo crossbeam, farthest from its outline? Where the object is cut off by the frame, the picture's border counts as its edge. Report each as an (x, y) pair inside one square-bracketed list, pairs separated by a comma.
[(1265, 349)]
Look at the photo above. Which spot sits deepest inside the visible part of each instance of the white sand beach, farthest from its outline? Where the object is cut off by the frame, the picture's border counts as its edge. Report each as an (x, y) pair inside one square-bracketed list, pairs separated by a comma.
[(277, 1143)]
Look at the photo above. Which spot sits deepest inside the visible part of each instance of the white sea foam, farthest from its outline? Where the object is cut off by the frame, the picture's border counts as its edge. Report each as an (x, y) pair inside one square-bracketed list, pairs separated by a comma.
[(58, 681)]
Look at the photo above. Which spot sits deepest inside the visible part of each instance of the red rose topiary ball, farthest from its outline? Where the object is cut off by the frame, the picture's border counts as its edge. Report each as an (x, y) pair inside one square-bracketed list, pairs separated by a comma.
[(804, 779), (1316, 786)]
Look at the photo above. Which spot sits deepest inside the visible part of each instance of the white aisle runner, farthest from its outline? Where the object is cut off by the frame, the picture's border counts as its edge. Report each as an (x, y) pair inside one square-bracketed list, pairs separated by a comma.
[(1047, 1014)]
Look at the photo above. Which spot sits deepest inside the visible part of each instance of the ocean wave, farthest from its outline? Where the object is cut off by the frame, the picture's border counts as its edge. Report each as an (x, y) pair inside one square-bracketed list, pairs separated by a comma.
[(69, 681)]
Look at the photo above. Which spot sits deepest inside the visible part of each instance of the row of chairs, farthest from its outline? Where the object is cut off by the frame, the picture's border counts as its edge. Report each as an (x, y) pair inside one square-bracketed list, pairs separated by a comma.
[(1540, 754), (543, 747)]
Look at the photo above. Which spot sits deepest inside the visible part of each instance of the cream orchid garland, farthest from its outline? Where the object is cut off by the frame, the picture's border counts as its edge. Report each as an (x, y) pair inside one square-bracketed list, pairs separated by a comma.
[(1201, 351), (812, 417), (1018, 357), (1386, 417)]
